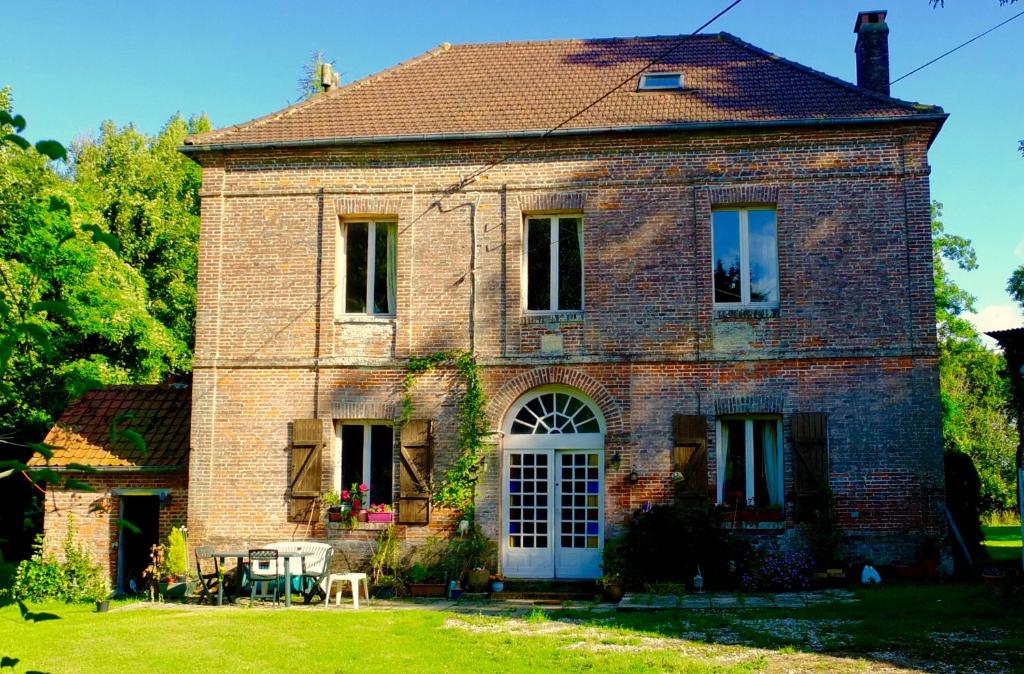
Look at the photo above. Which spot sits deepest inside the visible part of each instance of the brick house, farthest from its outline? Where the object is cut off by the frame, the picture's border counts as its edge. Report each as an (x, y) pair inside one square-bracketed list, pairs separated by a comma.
[(147, 487), (718, 279)]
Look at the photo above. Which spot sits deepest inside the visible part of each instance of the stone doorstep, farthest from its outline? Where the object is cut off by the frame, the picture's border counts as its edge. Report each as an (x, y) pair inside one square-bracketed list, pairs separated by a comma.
[(643, 601)]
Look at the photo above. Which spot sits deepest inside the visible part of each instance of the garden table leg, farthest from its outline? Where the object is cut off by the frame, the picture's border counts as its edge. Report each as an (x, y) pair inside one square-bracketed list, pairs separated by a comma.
[(287, 583)]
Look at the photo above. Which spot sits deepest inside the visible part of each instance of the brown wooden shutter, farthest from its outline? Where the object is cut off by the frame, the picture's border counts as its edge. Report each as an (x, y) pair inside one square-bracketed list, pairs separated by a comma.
[(306, 473), (810, 460), (690, 456), (414, 478)]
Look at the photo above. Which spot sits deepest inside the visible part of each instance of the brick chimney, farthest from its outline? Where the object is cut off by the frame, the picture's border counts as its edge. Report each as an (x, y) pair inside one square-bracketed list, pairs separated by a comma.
[(872, 51)]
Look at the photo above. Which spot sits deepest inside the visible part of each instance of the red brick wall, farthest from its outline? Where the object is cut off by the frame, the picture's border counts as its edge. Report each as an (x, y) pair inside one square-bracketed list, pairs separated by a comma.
[(94, 515), (854, 336)]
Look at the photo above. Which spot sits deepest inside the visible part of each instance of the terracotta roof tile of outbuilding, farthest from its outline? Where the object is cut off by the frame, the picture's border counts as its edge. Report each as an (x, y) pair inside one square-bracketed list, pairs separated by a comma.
[(160, 414), (509, 87)]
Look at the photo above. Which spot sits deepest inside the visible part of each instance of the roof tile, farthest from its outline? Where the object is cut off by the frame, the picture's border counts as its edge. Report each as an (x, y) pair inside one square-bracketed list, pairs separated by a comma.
[(163, 417), (534, 86)]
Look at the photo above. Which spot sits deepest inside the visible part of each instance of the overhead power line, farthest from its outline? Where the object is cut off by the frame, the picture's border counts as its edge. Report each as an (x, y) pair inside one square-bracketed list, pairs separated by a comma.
[(657, 59), (959, 46)]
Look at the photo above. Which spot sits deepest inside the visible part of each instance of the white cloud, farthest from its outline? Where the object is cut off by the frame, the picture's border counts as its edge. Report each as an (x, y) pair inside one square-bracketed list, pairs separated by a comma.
[(1019, 250), (995, 317)]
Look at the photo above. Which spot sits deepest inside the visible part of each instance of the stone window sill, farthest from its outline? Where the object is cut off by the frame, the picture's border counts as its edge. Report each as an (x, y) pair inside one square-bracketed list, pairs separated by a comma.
[(755, 526), (745, 312), (561, 317), (366, 319)]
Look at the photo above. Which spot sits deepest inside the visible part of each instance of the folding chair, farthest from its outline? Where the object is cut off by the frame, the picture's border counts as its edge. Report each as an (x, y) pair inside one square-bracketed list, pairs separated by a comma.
[(208, 582), (263, 569)]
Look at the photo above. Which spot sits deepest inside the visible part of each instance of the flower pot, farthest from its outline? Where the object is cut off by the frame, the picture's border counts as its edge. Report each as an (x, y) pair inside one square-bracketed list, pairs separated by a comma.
[(428, 589), (103, 606), (334, 514), (363, 516), (477, 579), (497, 586), (614, 592), (384, 593), (379, 517)]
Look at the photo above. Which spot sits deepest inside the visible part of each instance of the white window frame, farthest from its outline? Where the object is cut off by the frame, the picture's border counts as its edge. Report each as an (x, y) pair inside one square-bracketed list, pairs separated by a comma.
[(367, 453), (645, 85), (748, 438), (342, 267), (745, 302), (552, 219)]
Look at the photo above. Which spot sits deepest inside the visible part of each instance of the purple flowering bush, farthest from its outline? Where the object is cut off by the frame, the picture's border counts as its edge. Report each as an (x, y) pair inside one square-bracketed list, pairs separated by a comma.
[(779, 572)]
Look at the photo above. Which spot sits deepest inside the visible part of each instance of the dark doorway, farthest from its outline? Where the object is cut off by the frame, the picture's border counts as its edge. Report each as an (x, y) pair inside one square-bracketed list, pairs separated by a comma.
[(133, 558)]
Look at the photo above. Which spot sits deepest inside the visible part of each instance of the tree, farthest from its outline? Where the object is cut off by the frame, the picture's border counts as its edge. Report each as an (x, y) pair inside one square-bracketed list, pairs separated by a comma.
[(1015, 286), (975, 392), (309, 85), (147, 193)]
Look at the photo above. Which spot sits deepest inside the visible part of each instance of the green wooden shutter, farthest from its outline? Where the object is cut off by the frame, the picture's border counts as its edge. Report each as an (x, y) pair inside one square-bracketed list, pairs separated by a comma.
[(306, 468), (690, 456), (414, 476), (810, 461)]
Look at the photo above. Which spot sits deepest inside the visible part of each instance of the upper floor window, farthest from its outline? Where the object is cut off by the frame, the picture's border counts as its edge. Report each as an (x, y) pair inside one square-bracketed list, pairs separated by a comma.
[(745, 252), (553, 263), (749, 461), (370, 276)]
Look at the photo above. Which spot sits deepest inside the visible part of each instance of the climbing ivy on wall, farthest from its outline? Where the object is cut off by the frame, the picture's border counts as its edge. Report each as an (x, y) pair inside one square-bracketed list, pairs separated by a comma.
[(457, 490)]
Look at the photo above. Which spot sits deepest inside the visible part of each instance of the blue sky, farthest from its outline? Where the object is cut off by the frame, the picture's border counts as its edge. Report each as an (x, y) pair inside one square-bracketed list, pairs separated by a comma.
[(142, 61)]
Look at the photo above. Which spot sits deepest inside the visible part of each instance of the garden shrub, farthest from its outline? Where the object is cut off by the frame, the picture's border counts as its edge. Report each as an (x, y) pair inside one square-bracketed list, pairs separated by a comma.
[(42, 577), (778, 571), (176, 556), (670, 543)]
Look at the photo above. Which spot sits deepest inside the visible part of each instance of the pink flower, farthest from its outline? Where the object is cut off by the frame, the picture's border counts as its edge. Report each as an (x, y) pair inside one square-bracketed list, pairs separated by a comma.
[(363, 488), (345, 495)]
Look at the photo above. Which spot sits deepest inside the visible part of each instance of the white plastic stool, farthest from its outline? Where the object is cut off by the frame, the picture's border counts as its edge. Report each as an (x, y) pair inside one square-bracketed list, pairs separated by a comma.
[(341, 579)]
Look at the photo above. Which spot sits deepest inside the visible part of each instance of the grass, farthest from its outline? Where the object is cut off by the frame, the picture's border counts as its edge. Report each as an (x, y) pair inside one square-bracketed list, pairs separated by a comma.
[(948, 627), (1002, 543)]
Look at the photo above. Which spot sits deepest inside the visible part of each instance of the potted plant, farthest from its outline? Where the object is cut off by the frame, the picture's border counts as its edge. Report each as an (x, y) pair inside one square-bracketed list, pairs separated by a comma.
[(97, 589), (154, 573), (379, 512), (332, 501), (426, 581), (358, 500), (613, 566), (497, 583), (469, 556), (175, 564), (388, 587)]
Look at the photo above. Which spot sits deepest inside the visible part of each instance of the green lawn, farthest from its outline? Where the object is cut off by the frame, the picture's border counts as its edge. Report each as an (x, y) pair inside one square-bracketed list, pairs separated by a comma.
[(927, 628), (1002, 543)]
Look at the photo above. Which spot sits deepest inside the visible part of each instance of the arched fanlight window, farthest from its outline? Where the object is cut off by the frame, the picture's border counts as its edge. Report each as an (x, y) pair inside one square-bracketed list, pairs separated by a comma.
[(555, 412)]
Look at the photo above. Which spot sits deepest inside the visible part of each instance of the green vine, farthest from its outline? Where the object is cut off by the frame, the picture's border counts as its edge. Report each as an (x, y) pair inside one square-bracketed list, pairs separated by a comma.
[(457, 489)]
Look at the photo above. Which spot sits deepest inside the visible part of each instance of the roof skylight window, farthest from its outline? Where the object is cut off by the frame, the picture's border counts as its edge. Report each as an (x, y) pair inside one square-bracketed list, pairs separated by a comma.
[(660, 82)]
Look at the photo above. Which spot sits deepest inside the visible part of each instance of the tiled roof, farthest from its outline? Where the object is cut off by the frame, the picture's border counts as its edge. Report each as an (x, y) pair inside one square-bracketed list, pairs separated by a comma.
[(160, 414), (510, 87)]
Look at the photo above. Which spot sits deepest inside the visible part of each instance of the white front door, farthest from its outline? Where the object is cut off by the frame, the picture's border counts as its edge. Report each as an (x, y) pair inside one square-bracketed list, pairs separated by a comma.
[(552, 486), (554, 520), (529, 552), (579, 494)]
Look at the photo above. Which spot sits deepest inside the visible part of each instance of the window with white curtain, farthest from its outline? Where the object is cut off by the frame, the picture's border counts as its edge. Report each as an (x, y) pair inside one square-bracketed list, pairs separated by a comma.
[(553, 264), (369, 268), (749, 461)]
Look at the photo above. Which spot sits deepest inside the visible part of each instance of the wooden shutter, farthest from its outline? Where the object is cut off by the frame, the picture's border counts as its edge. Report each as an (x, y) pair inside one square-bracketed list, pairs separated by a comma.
[(810, 460), (306, 473), (690, 456), (414, 477)]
